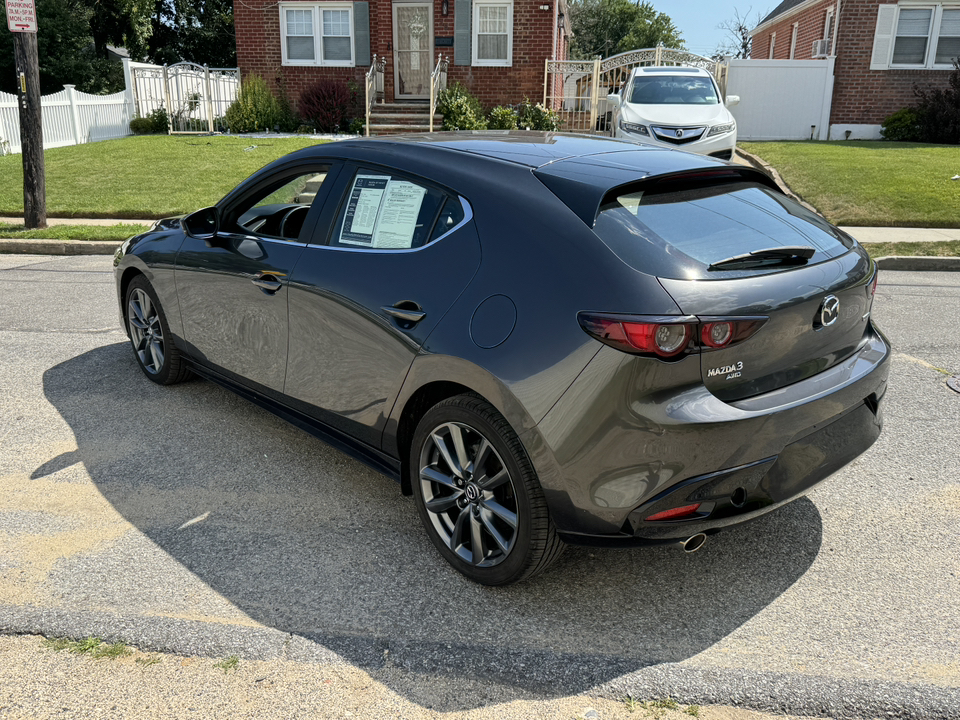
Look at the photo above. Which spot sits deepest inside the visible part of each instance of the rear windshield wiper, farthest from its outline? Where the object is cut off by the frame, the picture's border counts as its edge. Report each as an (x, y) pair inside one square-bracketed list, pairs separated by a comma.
[(796, 255)]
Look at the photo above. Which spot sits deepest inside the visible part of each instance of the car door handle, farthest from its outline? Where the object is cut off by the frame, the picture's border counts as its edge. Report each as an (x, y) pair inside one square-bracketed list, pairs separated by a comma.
[(267, 282), (407, 311)]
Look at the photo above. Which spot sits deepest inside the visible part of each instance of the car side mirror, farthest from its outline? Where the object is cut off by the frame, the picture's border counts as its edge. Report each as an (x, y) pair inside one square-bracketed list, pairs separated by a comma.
[(202, 224), (732, 100), (614, 99)]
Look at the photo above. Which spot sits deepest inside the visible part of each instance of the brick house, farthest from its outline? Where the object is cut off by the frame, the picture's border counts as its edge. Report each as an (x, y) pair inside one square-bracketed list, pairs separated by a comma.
[(497, 48), (882, 49)]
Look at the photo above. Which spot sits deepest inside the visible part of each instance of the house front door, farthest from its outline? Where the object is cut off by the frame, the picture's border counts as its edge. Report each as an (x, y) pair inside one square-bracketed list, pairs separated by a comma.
[(412, 49)]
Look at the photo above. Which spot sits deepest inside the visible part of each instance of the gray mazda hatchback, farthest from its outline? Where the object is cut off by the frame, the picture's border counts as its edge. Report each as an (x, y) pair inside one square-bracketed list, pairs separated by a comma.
[(544, 338)]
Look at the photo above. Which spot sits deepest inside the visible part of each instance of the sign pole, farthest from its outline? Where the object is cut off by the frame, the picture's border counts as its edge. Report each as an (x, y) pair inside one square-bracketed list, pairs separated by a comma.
[(21, 19)]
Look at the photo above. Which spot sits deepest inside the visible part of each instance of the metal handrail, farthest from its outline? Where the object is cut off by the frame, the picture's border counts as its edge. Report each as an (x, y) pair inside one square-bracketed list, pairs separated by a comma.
[(373, 87), (438, 83)]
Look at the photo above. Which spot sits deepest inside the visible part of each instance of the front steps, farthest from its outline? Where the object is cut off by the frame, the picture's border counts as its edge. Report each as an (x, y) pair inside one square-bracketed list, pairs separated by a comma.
[(402, 117)]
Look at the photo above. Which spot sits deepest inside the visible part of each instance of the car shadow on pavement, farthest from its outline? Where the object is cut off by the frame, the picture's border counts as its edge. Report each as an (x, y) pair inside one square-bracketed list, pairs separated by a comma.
[(302, 539)]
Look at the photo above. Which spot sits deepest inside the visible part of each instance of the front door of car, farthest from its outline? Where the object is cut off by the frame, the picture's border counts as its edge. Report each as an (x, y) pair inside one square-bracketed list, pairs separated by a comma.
[(400, 252), (233, 290)]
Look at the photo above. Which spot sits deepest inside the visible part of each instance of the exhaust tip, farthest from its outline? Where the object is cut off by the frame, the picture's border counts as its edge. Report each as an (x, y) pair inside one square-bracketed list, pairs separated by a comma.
[(694, 543)]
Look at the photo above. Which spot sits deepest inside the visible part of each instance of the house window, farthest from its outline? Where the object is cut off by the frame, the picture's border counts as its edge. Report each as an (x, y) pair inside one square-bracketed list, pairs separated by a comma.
[(948, 39), (773, 42), (492, 33), (926, 36), (793, 40), (320, 34)]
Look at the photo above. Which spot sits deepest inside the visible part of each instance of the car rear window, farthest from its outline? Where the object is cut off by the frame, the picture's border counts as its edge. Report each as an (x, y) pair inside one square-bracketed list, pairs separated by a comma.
[(678, 229)]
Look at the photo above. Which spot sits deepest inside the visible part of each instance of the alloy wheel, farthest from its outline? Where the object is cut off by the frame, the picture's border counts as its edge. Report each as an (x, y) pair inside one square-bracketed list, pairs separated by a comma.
[(469, 495), (146, 332)]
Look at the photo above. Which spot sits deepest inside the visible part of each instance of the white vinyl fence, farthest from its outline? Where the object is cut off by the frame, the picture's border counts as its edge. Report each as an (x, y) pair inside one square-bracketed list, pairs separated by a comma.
[(70, 117), (782, 99)]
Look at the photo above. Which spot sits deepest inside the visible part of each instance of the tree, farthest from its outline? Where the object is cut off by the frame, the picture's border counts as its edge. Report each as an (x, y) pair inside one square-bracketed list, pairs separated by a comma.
[(738, 41), (608, 27), (66, 49), (197, 30)]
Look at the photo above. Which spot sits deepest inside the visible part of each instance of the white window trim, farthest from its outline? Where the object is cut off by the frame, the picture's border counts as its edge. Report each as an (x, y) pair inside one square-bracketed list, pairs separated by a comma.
[(474, 31), (317, 18), (932, 39), (793, 40), (829, 29), (773, 44)]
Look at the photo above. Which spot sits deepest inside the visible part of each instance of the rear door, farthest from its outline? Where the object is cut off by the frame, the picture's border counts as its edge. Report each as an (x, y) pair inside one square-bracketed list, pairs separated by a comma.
[(382, 269)]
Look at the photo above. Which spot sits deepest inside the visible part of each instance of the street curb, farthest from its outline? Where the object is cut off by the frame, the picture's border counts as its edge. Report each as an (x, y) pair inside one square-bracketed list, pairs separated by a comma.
[(536, 671), (919, 263), (58, 247), (760, 164)]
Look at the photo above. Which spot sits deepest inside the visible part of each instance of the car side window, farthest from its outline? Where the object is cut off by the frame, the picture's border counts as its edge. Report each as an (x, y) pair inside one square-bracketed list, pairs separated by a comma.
[(279, 209), (383, 211)]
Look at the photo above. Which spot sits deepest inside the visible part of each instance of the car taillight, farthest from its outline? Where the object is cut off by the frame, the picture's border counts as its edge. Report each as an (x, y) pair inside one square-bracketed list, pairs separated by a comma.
[(667, 337)]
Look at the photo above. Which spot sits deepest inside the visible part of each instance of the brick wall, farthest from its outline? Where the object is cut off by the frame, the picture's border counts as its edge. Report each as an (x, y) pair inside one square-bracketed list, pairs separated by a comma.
[(810, 27), (862, 95), (257, 24)]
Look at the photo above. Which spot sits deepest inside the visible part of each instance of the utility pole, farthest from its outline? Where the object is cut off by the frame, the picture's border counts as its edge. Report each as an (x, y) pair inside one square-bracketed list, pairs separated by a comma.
[(22, 22)]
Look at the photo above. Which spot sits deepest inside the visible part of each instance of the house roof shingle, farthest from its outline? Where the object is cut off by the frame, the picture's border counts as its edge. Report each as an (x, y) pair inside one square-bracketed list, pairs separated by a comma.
[(781, 8)]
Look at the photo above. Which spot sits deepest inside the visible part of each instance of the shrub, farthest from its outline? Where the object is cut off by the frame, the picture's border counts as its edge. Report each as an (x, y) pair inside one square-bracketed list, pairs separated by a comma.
[(141, 126), (938, 111), (287, 119), (324, 105), (153, 124), (536, 117), (357, 126), (903, 126), (254, 109), (502, 118), (460, 109)]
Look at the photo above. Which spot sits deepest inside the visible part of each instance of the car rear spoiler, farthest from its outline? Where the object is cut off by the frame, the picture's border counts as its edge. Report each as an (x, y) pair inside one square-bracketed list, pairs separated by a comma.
[(583, 185)]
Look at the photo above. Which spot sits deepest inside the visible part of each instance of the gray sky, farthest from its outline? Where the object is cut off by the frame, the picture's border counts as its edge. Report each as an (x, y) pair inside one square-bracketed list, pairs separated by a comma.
[(697, 20)]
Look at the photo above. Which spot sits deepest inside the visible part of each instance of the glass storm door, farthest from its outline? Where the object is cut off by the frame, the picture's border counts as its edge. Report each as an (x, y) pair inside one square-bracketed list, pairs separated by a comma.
[(412, 49)]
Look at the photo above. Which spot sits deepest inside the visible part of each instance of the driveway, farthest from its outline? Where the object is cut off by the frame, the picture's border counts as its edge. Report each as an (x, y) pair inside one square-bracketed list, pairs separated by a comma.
[(188, 520)]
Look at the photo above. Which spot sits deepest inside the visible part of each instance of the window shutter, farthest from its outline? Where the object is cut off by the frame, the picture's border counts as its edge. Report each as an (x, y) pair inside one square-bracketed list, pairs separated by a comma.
[(883, 37), (361, 33), (462, 21)]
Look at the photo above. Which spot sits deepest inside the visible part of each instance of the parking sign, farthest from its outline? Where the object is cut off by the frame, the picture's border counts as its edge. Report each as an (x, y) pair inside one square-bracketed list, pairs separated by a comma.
[(21, 16)]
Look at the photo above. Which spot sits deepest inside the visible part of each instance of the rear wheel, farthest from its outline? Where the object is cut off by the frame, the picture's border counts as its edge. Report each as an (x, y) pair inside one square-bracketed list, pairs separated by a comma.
[(478, 495), (150, 335)]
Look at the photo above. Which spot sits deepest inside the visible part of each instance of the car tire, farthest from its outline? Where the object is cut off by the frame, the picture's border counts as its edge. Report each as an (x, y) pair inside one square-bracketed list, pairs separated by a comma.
[(478, 495), (150, 335)]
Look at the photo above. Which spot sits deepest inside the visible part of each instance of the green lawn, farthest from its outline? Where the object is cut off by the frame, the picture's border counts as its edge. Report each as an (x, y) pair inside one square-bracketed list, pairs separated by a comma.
[(150, 176), (871, 183), (72, 232)]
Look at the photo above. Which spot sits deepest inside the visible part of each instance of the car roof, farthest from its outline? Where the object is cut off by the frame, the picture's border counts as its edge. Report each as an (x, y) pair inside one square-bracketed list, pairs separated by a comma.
[(520, 147), (579, 169)]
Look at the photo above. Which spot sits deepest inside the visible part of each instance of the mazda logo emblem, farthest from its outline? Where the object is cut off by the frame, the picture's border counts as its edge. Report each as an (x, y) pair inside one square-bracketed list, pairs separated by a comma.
[(679, 133), (829, 311)]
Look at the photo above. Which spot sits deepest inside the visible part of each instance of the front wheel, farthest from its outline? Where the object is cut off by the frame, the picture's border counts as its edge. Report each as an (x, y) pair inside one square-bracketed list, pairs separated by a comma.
[(477, 494), (150, 335)]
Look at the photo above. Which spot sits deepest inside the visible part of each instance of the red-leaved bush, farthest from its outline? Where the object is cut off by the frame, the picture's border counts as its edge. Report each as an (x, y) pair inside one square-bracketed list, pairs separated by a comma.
[(324, 105)]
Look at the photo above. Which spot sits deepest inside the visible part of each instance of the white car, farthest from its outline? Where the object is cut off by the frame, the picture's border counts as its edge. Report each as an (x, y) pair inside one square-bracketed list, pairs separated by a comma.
[(676, 107)]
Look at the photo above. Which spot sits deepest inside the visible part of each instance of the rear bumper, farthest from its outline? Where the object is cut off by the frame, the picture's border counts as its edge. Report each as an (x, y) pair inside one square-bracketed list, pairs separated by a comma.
[(739, 460)]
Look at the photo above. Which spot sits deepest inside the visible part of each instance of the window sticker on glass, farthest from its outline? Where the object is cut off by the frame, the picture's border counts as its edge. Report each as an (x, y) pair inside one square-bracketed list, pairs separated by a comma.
[(398, 217), (382, 212), (631, 202), (362, 209)]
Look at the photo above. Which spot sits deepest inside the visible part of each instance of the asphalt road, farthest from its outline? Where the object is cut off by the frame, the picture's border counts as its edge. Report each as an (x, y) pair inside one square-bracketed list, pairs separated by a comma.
[(185, 519)]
